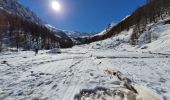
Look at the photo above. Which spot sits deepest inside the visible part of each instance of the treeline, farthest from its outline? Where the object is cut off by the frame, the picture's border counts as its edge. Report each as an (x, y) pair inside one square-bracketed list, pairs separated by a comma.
[(15, 31), (153, 11)]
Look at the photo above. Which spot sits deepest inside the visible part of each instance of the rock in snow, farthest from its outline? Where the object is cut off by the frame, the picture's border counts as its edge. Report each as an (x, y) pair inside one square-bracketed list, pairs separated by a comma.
[(55, 51)]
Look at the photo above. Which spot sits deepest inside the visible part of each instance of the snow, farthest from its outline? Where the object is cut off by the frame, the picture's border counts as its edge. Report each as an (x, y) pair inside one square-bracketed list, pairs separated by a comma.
[(117, 41), (160, 37), (106, 29), (47, 76), (147, 63), (109, 27), (143, 68), (55, 51), (127, 16), (15, 7), (61, 76), (76, 34), (71, 34), (58, 33)]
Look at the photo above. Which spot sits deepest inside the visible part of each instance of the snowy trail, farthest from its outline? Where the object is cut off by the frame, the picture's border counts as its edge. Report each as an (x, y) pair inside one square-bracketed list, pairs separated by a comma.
[(46, 76), (53, 76), (69, 92)]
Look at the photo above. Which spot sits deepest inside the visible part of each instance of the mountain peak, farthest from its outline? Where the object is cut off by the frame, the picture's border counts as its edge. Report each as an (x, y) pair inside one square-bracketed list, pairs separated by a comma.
[(14, 7)]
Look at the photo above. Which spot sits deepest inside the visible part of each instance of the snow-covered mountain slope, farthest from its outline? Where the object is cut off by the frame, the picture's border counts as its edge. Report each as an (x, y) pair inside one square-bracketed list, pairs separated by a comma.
[(138, 20), (114, 42), (68, 34), (106, 29), (14, 7), (146, 63), (156, 38), (75, 34), (57, 32), (109, 27)]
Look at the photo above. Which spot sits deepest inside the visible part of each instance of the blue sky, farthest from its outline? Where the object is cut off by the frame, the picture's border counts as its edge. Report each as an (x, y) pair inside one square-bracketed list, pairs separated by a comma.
[(83, 15)]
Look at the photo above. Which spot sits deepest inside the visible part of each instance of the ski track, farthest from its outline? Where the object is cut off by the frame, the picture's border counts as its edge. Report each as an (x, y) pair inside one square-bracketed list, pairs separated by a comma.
[(69, 93)]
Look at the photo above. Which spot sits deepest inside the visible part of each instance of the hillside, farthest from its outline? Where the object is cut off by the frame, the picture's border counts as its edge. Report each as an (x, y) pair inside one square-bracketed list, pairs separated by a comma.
[(21, 28), (68, 34), (156, 39), (146, 63), (153, 11), (14, 7)]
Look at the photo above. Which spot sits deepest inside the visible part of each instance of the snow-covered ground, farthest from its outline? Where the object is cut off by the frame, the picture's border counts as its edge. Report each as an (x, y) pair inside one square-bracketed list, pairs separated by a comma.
[(146, 63), (51, 76), (61, 76), (143, 68)]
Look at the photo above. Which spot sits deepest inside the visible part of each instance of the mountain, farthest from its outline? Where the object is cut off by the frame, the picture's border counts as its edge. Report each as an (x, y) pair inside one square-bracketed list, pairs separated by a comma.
[(57, 31), (142, 31), (75, 34), (14, 7), (156, 39), (16, 17), (152, 12), (71, 34), (106, 29)]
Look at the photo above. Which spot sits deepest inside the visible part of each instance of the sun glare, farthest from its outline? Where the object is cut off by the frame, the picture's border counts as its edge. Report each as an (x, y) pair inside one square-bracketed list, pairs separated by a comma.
[(56, 5)]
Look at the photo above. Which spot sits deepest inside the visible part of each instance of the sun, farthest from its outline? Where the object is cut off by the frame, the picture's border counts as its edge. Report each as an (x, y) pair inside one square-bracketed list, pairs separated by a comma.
[(56, 5)]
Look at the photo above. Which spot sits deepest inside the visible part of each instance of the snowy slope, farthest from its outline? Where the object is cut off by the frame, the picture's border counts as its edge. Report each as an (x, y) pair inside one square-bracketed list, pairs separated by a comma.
[(67, 34), (59, 33), (114, 42), (106, 29), (71, 34), (14, 7), (147, 63), (157, 33), (159, 36), (75, 34)]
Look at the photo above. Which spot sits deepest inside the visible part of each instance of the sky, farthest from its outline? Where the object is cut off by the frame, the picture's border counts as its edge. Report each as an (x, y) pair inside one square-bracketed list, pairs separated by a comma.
[(83, 15)]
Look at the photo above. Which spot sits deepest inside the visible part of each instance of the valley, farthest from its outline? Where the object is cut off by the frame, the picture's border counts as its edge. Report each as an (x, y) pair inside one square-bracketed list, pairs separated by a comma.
[(61, 77)]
